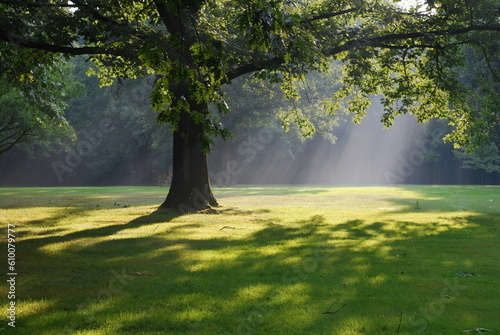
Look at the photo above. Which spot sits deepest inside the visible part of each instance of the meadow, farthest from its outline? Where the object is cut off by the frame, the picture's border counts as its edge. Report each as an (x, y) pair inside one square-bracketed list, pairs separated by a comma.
[(270, 260)]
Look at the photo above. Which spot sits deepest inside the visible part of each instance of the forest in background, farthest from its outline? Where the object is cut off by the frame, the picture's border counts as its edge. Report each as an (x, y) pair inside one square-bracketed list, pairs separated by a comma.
[(113, 138)]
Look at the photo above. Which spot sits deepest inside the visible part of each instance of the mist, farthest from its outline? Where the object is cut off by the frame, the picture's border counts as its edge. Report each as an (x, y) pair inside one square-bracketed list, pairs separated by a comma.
[(364, 154), (371, 154)]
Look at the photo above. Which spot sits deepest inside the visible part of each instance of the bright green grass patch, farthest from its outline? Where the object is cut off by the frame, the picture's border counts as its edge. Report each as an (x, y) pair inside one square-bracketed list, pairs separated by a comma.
[(273, 260)]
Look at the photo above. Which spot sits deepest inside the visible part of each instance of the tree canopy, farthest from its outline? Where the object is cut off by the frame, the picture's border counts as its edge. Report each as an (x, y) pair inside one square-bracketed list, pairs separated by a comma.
[(409, 57), (33, 98)]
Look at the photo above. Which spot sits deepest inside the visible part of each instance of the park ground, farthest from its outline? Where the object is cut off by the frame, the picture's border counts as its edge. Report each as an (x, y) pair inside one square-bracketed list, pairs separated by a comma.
[(270, 260)]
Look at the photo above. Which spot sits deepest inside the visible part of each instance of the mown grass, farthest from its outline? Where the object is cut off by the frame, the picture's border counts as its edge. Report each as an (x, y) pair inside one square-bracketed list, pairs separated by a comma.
[(273, 260)]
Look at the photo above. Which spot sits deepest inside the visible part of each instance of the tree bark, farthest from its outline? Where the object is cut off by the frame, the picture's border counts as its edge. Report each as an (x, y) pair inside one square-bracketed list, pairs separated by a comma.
[(190, 188)]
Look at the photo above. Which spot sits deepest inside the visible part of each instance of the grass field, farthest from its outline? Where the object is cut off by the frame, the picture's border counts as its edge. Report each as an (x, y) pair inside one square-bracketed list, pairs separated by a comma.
[(272, 260)]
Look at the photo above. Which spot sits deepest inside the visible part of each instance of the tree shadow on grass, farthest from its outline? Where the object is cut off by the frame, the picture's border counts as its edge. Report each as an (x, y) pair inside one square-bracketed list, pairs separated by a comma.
[(278, 279), (156, 217), (107, 272)]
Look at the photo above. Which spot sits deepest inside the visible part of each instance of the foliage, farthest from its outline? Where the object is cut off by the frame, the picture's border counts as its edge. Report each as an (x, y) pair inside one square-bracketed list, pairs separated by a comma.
[(116, 131), (485, 158), (408, 57), (257, 104), (32, 101)]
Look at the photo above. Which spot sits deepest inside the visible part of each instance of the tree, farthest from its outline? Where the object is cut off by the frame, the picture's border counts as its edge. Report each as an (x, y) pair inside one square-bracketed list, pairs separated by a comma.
[(486, 88), (117, 134), (193, 47), (32, 101), (485, 158)]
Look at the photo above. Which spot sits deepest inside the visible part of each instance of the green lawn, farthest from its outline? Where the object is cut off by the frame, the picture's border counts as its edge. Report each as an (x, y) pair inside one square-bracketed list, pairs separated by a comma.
[(272, 260)]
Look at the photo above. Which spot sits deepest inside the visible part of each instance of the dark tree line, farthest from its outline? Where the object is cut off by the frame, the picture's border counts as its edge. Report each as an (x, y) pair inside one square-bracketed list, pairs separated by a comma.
[(118, 142)]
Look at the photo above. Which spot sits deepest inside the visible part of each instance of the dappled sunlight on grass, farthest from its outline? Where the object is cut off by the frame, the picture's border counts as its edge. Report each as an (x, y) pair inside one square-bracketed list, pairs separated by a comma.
[(292, 294), (65, 246), (210, 259), (256, 291), (352, 326), (35, 307), (270, 261)]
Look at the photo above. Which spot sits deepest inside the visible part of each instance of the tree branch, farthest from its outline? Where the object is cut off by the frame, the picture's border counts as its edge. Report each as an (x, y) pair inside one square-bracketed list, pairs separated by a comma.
[(18, 140), (330, 15), (488, 62), (7, 124), (364, 42), (22, 42), (374, 41), (167, 19), (420, 46), (254, 67), (37, 5)]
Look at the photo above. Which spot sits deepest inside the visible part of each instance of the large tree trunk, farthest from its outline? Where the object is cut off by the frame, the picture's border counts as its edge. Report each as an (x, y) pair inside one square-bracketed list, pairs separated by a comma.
[(190, 188)]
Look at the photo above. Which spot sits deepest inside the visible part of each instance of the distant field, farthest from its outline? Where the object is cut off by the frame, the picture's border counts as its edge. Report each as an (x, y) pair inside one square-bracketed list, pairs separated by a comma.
[(272, 260)]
